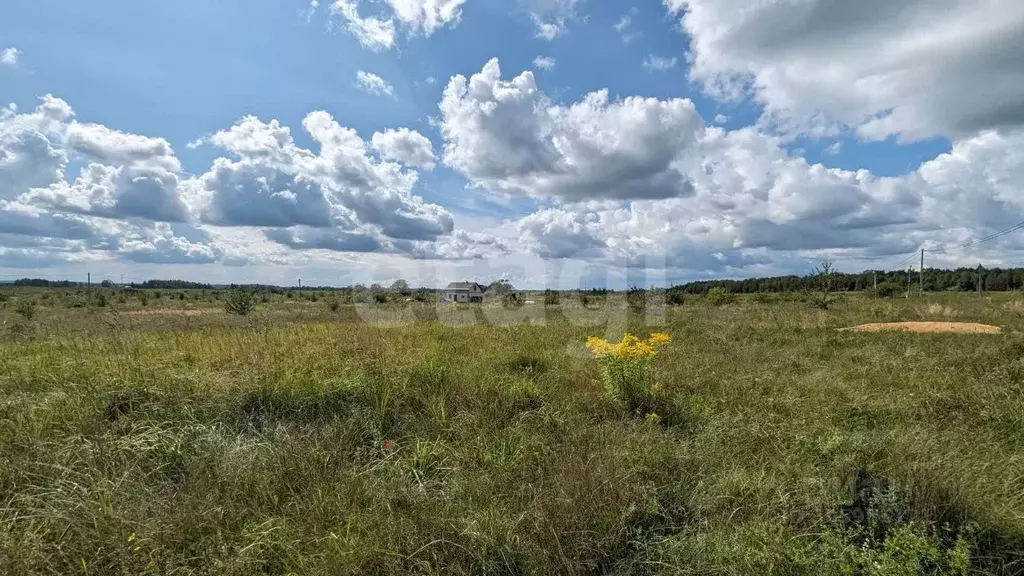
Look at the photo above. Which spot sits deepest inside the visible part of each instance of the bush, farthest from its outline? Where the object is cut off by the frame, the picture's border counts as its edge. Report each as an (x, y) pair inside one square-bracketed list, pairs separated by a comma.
[(674, 298), (333, 304), (511, 300), (718, 296), (890, 290), (550, 298), (25, 308), (240, 302)]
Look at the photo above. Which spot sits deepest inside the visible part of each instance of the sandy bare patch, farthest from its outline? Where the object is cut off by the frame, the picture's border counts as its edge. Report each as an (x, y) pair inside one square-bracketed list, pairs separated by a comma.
[(174, 312), (927, 327)]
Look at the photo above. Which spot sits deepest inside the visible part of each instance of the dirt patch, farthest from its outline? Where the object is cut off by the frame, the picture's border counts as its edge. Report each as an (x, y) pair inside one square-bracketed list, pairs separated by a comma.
[(174, 312), (927, 327)]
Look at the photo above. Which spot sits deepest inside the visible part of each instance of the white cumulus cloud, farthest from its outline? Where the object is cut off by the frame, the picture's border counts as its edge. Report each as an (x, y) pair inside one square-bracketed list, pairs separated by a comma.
[(544, 62), (10, 57), (415, 17), (373, 33), (373, 84), (912, 69), (508, 136), (652, 62), (406, 146)]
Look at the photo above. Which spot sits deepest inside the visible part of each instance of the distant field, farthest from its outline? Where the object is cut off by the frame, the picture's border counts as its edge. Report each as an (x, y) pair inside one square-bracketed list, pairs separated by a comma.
[(318, 438)]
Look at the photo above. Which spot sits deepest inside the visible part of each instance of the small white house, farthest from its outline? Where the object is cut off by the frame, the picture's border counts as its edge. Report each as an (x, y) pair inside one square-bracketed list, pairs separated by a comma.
[(463, 292)]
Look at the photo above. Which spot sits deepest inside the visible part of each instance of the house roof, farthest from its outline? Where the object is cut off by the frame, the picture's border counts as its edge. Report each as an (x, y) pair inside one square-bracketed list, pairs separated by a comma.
[(463, 286)]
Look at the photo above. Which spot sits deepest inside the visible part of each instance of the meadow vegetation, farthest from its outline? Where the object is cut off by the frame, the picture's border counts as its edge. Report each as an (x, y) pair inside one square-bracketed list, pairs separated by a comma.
[(154, 433)]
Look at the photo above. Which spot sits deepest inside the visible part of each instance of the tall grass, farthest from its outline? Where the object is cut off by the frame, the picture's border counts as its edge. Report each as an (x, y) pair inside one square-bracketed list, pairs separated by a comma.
[(311, 443)]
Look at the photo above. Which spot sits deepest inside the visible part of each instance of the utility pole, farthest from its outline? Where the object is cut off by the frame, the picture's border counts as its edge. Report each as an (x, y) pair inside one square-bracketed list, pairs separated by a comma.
[(88, 280), (300, 283), (922, 271), (874, 278), (909, 271)]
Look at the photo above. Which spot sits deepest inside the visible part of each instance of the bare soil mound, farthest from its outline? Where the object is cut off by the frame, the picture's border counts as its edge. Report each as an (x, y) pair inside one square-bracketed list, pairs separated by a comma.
[(927, 327)]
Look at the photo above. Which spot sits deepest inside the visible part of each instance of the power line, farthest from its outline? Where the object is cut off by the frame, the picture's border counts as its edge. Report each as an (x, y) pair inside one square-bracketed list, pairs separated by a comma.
[(978, 241)]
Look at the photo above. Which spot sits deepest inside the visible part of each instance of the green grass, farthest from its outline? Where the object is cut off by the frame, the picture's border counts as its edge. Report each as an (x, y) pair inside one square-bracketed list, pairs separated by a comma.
[(304, 441)]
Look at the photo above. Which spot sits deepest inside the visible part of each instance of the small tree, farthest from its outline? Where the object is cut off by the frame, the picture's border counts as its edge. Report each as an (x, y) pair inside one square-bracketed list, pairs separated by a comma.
[(822, 281), (240, 302), (500, 287), (674, 297), (636, 297), (400, 286)]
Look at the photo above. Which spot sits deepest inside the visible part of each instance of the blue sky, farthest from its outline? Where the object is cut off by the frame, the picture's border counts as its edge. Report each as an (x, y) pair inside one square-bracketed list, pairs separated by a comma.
[(745, 149)]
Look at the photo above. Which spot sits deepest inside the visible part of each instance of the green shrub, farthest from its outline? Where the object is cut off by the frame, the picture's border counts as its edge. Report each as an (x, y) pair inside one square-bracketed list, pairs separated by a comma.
[(550, 298), (718, 296), (890, 290), (240, 302), (25, 308), (674, 298)]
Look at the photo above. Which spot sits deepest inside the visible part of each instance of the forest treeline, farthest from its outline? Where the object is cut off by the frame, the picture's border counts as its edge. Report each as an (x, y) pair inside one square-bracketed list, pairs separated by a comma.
[(961, 279)]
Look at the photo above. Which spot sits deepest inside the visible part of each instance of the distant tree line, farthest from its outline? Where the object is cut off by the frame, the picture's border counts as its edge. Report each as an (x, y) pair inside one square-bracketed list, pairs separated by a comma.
[(961, 279), (41, 283), (172, 285)]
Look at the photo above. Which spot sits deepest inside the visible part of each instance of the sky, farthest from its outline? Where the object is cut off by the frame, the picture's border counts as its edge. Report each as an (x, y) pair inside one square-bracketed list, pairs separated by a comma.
[(555, 143)]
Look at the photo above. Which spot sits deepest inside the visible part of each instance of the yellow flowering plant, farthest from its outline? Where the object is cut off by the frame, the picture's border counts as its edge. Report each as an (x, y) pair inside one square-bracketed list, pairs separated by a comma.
[(627, 366)]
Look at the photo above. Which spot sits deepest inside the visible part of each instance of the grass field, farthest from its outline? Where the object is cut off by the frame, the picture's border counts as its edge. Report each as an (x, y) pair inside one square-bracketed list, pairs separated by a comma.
[(304, 440)]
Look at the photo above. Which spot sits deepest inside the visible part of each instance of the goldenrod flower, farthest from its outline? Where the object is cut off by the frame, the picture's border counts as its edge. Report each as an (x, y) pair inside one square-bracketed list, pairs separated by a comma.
[(659, 338), (599, 347), (627, 365), (652, 418)]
